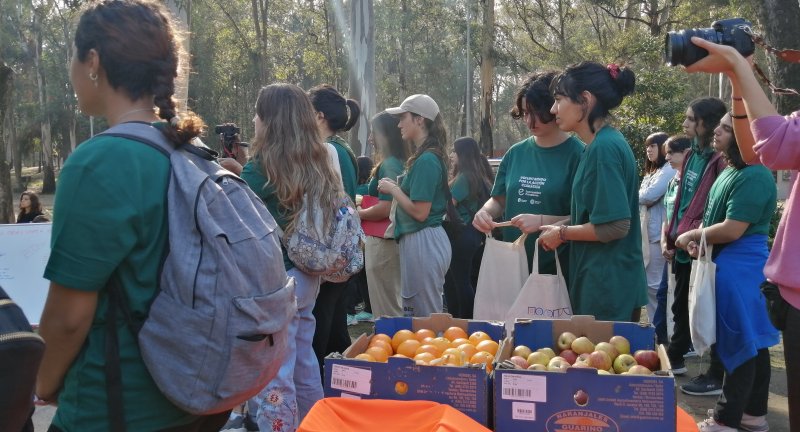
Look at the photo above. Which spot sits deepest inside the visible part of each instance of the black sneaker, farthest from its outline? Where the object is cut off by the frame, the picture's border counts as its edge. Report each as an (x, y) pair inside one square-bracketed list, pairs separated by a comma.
[(702, 385), (678, 367)]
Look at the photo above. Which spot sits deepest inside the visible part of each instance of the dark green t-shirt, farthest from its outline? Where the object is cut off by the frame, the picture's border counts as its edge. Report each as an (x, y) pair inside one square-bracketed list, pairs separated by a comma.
[(745, 195), (607, 280), (423, 182), (467, 203), (347, 164), (252, 174), (538, 180), (690, 179), (111, 221), (391, 167)]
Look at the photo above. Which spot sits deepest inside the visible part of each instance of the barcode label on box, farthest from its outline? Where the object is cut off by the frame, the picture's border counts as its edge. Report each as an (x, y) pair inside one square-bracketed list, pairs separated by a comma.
[(530, 388), (352, 379), (523, 411)]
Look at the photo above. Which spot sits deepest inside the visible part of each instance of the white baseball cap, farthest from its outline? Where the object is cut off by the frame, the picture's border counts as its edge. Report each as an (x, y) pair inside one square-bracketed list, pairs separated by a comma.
[(421, 104)]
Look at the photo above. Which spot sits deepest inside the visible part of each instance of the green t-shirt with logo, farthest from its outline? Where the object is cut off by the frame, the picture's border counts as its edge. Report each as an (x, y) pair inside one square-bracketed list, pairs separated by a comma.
[(538, 180), (467, 203), (252, 174), (391, 167), (669, 198), (607, 280), (745, 195), (347, 164), (690, 179), (422, 182), (111, 222)]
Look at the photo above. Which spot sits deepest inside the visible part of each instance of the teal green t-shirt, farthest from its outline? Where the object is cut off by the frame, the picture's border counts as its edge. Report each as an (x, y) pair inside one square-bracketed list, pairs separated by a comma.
[(347, 164), (391, 167), (467, 203), (362, 189), (538, 180), (745, 195), (607, 280), (111, 222), (669, 198), (423, 182), (690, 179), (252, 174)]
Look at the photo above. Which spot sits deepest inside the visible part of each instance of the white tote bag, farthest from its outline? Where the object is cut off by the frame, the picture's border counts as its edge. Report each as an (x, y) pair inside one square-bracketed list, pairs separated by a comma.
[(702, 300), (544, 296), (504, 269)]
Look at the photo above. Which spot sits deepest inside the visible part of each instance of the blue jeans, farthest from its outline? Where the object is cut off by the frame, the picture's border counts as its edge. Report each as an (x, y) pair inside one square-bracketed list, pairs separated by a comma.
[(660, 319), (286, 400)]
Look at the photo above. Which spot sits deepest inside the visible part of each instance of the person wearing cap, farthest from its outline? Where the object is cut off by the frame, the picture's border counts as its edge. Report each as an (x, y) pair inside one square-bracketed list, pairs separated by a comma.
[(421, 204)]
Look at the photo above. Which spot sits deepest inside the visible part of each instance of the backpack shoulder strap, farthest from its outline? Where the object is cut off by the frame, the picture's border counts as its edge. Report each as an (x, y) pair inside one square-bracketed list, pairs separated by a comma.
[(150, 135)]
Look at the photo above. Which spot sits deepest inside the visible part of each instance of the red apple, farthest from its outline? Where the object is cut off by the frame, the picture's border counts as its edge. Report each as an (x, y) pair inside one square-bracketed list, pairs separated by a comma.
[(582, 345), (538, 358), (581, 397), (608, 349), (648, 359), (565, 340), (557, 364), (623, 363), (621, 344), (639, 370), (520, 362), (569, 356), (522, 351), (599, 360)]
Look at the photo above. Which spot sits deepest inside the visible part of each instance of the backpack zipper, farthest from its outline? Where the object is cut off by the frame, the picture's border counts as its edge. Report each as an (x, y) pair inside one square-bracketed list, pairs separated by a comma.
[(15, 336)]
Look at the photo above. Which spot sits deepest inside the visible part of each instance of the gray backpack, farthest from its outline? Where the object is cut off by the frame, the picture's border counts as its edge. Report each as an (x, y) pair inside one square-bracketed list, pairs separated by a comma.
[(216, 332)]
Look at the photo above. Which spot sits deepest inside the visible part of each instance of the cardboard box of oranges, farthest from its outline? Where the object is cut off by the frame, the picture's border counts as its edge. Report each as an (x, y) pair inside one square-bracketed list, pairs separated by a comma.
[(583, 374), (439, 358)]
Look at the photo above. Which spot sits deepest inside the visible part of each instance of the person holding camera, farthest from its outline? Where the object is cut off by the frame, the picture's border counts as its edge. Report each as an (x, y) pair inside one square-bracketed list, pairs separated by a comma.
[(736, 221), (235, 151), (776, 144)]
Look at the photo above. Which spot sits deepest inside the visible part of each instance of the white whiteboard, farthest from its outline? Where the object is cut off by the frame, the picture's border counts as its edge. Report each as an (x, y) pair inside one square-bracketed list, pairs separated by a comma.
[(24, 250)]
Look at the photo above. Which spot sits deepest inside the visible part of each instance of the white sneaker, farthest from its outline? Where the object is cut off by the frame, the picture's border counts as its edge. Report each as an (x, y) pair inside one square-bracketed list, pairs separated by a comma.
[(711, 425), (754, 423)]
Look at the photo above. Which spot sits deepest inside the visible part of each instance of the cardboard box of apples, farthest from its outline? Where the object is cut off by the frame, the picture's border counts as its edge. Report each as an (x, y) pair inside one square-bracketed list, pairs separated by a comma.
[(439, 358), (582, 374)]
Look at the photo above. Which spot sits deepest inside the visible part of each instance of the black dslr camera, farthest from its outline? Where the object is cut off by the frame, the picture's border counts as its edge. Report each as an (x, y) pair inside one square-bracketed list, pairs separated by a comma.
[(228, 134), (679, 49)]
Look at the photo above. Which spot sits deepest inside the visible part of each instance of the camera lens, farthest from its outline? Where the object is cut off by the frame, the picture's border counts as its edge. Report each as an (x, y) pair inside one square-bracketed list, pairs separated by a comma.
[(679, 49), (674, 46)]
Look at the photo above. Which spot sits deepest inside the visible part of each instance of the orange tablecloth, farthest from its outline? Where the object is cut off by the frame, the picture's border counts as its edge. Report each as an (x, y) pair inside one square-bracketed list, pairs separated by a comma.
[(685, 422)]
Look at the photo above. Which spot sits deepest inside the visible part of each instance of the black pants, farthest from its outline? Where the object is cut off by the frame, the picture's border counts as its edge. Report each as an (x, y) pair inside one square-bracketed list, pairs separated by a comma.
[(330, 312), (459, 290), (715, 369), (211, 423), (745, 390), (791, 353), (357, 292), (681, 336)]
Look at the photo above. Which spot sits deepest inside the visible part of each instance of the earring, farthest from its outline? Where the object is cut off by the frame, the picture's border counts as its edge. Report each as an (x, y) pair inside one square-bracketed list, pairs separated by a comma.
[(93, 77)]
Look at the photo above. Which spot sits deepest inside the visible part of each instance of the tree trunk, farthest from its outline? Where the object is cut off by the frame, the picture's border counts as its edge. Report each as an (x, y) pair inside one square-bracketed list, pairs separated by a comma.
[(362, 80), (49, 178), (487, 78), (402, 79), (778, 18), (6, 197)]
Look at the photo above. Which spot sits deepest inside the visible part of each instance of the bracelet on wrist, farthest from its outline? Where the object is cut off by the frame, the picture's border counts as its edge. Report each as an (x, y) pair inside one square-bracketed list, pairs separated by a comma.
[(562, 233), (736, 98), (738, 117)]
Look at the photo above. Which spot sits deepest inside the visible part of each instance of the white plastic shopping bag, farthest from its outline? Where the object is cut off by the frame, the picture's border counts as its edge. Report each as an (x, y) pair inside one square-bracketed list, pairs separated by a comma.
[(504, 269), (702, 300), (544, 296)]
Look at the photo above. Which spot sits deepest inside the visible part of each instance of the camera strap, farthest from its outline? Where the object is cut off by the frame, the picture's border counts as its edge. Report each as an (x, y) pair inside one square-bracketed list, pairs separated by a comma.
[(787, 55)]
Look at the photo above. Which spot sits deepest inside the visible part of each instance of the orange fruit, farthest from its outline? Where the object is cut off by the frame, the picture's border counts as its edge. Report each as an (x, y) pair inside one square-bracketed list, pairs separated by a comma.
[(454, 333), (378, 354), (424, 357), (483, 357), (432, 349), (489, 346), (383, 344), (400, 337), (458, 342), (427, 340), (425, 333), (441, 343), (381, 336), (455, 356), (477, 337), (365, 356), (468, 349), (409, 347), (400, 356)]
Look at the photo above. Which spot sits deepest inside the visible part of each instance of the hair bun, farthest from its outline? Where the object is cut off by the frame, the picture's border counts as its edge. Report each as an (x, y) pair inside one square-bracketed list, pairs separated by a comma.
[(624, 79)]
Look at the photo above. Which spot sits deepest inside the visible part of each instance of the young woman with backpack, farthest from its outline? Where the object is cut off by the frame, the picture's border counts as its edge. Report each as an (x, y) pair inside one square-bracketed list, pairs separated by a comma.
[(290, 162), (382, 262), (334, 114), (111, 221), (421, 205), (469, 187)]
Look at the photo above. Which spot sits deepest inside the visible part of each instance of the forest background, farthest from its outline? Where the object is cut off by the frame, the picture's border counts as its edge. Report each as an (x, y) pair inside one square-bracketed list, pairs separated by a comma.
[(469, 55)]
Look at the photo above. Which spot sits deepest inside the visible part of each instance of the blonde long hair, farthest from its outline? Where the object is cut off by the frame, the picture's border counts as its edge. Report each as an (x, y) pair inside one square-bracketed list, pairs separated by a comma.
[(291, 153)]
